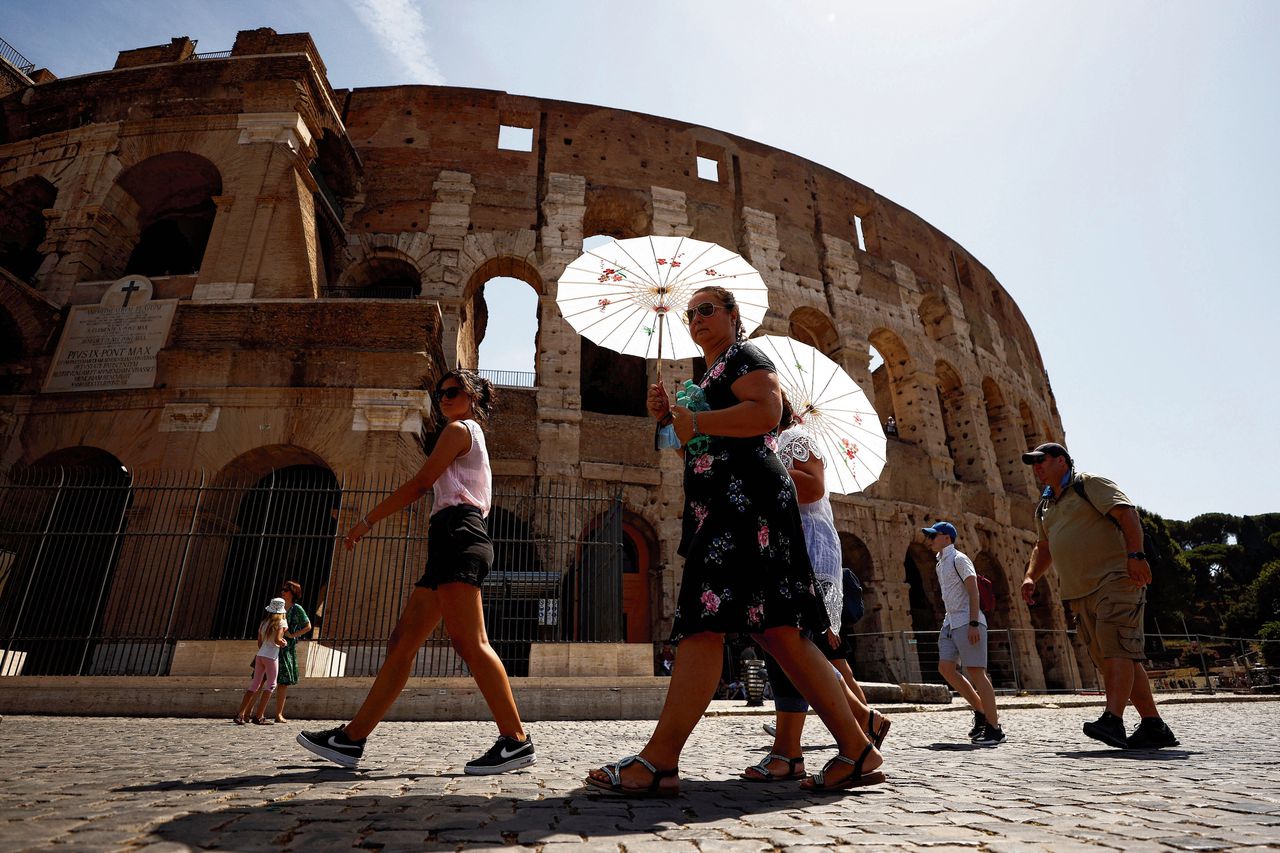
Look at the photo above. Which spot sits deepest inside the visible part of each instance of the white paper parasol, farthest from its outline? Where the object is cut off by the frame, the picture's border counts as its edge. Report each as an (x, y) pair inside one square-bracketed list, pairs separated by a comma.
[(833, 410), (630, 295)]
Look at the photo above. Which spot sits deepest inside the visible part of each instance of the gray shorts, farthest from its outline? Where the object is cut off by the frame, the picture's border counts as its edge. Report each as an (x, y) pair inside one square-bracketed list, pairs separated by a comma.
[(955, 646)]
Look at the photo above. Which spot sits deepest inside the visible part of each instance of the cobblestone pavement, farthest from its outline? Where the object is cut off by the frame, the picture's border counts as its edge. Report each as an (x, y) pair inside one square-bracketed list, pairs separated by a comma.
[(162, 785)]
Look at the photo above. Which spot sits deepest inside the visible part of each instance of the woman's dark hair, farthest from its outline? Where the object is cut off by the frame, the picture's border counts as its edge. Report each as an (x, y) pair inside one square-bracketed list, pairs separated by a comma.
[(729, 303), (293, 587), (479, 389)]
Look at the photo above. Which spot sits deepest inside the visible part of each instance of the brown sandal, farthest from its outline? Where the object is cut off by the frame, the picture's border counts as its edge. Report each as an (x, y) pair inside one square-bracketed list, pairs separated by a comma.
[(856, 779), (262, 721), (875, 735), (764, 774), (653, 789)]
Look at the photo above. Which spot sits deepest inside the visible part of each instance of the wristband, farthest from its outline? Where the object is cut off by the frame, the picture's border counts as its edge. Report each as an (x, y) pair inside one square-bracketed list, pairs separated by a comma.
[(973, 624), (1136, 555), (696, 431)]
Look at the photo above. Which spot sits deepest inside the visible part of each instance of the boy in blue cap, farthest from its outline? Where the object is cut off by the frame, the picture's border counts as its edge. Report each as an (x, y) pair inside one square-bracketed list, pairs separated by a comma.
[(963, 638)]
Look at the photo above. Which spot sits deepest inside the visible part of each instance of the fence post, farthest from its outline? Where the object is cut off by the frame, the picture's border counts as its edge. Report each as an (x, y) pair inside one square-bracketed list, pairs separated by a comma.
[(1204, 668), (182, 567), (1013, 661)]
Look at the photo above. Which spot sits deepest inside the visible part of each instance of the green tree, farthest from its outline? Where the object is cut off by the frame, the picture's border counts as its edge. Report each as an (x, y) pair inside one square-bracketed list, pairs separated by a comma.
[(1172, 581), (1259, 603)]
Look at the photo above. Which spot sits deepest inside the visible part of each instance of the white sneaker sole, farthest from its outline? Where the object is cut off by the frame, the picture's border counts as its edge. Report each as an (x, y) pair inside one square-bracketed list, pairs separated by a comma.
[(514, 764), (324, 752)]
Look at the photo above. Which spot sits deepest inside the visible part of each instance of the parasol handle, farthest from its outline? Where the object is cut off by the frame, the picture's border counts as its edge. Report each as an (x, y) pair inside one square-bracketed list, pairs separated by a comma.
[(661, 316)]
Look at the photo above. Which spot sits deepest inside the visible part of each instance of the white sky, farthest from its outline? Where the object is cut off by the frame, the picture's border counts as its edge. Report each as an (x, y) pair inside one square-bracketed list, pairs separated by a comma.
[(1112, 163)]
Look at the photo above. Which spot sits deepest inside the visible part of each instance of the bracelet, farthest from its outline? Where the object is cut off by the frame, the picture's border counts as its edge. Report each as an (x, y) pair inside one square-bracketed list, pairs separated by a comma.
[(665, 420), (695, 424)]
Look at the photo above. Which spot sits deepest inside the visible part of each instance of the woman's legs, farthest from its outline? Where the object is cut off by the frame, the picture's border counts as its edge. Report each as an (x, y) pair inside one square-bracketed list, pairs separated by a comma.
[(846, 672), (694, 677), (419, 619), (281, 691), (826, 692), (464, 620)]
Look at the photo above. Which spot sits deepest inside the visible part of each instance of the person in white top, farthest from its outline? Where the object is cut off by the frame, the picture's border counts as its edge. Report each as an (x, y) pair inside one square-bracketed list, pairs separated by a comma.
[(963, 637), (266, 665), (808, 471), (459, 556)]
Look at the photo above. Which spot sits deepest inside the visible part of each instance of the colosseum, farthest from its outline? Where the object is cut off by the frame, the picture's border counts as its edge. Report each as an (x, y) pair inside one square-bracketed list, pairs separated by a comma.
[(222, 279)]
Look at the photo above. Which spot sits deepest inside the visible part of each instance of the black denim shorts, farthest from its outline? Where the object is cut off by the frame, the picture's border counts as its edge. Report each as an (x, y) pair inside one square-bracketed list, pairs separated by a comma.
[(458, 548)]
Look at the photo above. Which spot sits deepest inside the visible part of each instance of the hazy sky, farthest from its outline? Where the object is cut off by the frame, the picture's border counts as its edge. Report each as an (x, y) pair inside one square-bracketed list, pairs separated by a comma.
[(1113, 164)]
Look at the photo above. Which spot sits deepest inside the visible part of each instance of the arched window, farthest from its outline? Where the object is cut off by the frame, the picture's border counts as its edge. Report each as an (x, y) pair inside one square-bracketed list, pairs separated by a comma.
[(174, 193), (890, 365), (22, 225), (509, 336), (380, 276), (1005, 437), (936, 318), (957, 425)]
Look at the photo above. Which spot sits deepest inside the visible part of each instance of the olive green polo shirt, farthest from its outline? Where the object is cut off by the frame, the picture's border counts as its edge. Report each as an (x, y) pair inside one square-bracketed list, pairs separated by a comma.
[(1088, 550)]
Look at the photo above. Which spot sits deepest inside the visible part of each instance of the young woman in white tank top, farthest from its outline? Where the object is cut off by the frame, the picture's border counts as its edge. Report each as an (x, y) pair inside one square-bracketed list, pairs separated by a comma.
[(459, 555)]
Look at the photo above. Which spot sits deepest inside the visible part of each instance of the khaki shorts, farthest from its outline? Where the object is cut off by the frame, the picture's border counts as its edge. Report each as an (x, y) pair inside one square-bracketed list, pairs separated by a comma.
[(1109, 621)]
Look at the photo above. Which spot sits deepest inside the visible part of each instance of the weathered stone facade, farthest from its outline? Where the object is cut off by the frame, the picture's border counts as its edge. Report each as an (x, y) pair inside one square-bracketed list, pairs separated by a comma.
[(304, 201)]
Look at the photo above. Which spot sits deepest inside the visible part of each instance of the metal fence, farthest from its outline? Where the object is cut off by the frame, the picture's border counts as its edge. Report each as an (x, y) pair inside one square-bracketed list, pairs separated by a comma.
[(510, 378), (10, 54), (105, 572)]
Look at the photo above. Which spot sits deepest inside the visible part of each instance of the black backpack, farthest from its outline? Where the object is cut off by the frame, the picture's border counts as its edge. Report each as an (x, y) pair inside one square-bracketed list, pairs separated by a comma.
[(852, 609)]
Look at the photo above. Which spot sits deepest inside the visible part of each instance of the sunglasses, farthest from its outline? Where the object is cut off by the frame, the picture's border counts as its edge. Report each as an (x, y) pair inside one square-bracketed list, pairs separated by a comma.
[(446, 393), (706, 309)]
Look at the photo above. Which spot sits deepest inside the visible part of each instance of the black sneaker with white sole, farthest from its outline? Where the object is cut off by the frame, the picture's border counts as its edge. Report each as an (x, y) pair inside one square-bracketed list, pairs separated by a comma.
[(334, 745), (507, 753), (979, 723), (991, 736)]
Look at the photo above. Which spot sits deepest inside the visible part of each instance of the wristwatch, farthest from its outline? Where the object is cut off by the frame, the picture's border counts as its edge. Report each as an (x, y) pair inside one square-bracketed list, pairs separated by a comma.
[(1137, 555), (973, 624)]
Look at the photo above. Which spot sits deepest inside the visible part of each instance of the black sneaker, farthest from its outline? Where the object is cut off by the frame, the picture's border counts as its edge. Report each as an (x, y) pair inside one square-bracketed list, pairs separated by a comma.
[(990, 736), (1109, 729), (334, 745), (1152, 733), (507, 753), (979, 723)]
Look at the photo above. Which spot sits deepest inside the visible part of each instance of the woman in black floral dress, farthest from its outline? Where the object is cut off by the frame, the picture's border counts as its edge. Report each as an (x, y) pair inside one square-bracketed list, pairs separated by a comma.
[(746, 567)]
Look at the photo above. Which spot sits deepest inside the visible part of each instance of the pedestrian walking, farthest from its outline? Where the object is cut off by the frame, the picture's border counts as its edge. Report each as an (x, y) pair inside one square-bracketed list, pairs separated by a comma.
[(265, 666), (297, 625), (807, 470), (746, 569), (1090, 532), (963, 638), (459, 556)]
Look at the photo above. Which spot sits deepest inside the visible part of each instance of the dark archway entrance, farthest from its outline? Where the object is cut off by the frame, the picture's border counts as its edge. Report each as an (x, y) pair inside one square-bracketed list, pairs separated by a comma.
[(284, 530), (52, 600)]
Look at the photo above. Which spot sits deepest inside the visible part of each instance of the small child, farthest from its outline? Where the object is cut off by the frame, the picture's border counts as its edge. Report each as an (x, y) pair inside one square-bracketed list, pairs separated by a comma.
[(266, 664)]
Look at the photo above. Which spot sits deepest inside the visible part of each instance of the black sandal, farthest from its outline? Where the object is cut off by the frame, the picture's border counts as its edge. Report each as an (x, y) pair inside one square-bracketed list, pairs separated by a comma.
[(856, 779), (653, 789), (763, 774), (877, 736)]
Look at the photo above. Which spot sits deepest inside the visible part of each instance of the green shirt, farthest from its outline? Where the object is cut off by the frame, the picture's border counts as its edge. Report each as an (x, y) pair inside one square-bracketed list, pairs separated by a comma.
[(1088, 550)]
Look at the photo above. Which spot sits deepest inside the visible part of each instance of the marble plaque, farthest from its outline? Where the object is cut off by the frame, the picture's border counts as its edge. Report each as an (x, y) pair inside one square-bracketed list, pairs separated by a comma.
[(112, 345)]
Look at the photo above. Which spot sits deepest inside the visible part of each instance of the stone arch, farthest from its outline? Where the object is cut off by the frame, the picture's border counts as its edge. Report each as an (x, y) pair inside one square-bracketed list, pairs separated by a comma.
[(174, 195), (1000, 651), (610, 383), (936, 318), (812, 327), (55, 594), (1031, 433), (641, 583), (927, 611), (891, 383), (1053, 644), (22, 225), (382, 274), (1005, 438), (957, 425)]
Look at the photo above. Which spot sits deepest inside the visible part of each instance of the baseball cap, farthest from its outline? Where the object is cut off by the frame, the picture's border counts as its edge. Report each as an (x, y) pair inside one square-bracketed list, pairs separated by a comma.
[(1031, 457), (944, 527)]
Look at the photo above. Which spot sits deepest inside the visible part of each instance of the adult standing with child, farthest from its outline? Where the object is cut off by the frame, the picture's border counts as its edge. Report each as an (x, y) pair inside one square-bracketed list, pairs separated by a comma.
[(265, 666), (746, 569), (459, 556), (298, 624)]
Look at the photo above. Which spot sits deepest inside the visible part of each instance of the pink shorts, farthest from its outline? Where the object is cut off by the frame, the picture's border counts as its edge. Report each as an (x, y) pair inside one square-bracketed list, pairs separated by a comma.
[(264, 674)]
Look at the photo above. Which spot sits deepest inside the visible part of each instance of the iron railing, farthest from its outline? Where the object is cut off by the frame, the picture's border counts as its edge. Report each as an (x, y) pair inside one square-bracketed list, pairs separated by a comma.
[(373, 291), (10, 54), (510, 378), (212, 54), (105, 572)]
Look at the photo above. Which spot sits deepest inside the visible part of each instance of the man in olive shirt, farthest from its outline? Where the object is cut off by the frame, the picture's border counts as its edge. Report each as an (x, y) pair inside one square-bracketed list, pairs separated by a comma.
[(1095, 541)]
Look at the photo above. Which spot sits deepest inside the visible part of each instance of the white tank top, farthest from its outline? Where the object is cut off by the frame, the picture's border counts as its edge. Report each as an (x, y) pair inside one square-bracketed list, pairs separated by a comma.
[(468, 479), (268, 649)]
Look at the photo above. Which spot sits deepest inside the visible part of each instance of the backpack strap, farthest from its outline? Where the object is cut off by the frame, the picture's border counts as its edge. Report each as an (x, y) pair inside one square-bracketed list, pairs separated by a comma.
[(1077, 483)]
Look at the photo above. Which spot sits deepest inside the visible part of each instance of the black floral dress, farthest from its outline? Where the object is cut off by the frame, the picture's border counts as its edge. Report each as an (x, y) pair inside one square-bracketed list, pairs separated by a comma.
[(746, 567)]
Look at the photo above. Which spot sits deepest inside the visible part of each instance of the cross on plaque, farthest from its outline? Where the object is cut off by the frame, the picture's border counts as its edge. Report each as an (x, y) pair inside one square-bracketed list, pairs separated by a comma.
[(128, 290)]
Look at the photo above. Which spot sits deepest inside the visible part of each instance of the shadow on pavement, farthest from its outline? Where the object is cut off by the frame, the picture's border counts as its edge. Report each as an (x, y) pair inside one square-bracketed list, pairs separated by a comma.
[(1130, 754), (470, 819), (944, 746), (312, 775)]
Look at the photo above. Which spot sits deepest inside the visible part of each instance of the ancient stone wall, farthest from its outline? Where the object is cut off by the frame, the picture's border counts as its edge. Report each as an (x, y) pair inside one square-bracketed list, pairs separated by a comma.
[(315, 198)]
